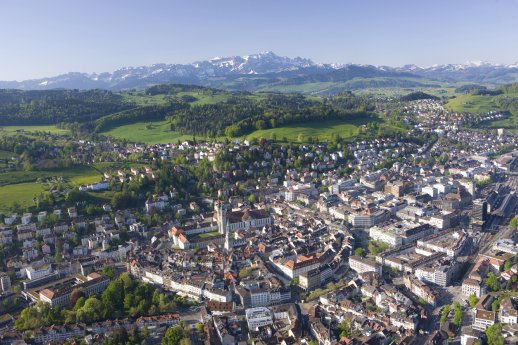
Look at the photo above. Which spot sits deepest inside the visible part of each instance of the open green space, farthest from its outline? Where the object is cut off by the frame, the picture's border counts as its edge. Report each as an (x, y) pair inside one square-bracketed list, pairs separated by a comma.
[(323, 130), (10, 130), (476, 104), (76, 176), (202, 97), (22, 193), (158, 132), (208, 234)]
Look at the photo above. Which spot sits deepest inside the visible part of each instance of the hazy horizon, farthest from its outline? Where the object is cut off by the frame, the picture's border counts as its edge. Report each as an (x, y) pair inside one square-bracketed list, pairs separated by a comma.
[(44, 39)]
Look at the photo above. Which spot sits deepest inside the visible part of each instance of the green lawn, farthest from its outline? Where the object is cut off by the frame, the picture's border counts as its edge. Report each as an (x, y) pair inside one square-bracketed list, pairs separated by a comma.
[(157, 132), (208, 234), (10, 130), (475, 104), (23, 193), (76, 176), (203, 97), (323, 130), (22, 186)]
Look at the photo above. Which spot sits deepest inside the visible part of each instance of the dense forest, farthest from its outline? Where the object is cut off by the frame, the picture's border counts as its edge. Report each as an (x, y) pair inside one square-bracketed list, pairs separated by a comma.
[(414, 96), (19, 107)]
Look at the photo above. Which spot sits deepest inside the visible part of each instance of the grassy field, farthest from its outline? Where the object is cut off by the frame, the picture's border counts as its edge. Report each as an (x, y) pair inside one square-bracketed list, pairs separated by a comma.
[(472, 104), (208, 234), (76, 176), (22, 186), (23, 193), (203, 97), (147, 132), (324, 130), (10, 130), (483, 104)]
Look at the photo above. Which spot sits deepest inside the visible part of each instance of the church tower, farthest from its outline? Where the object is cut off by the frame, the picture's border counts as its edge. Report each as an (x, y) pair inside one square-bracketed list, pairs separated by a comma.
[(221, 217), (228, 239)]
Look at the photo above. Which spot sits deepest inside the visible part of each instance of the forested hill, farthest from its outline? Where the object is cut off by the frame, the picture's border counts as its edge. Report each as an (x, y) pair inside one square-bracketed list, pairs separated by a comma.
[(53, 106), (192, 110)]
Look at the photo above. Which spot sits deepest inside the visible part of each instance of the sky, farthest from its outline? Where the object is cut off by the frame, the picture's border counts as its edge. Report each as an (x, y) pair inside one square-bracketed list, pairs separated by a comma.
[(51, 37)]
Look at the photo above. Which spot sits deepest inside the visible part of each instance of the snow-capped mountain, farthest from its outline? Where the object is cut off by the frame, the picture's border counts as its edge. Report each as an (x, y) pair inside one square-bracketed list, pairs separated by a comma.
[(471, 71), (194, 73), (257, 71)]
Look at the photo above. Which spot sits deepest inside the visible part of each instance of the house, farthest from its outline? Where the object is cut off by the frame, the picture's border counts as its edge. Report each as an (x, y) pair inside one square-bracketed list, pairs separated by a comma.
[(508, 311)]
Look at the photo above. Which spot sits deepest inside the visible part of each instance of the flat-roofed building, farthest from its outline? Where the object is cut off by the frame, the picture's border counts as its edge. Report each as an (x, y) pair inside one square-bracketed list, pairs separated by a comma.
[(258, 317), (362, 265), (400, 233)]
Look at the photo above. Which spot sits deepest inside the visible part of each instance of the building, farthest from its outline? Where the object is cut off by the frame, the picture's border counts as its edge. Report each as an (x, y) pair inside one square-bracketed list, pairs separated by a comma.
[(449, 242), (5, 283), (421, 290), (368, 218), (294, 191), (438, 272), (93, 284), (482, 319), (508, 312), (315, 277), (294, 267), (362, 265), (472, 287), (258, 317), (479, 211), (400, 233)]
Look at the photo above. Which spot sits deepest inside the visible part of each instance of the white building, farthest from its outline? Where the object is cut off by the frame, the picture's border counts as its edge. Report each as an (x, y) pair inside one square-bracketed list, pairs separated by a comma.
[(258, 317), (362, 265)]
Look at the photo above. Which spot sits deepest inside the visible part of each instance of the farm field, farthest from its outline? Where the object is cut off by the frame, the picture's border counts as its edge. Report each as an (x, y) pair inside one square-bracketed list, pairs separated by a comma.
[(157, 132), (11, 130), (476, 104), (324, 130), (22, 193), (76, 176)]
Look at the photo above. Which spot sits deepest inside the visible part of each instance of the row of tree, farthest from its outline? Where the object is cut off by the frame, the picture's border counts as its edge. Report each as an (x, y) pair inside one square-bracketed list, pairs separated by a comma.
[(123, 297)]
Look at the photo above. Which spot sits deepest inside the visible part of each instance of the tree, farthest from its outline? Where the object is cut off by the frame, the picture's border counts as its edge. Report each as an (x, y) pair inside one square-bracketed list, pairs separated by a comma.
[(91, 311), (75, 295), (473, 300), (494, 335), (359, 252), (495, 306), (492, 282), (457, 316), (109, 271), (345, 329), (376, 247), (173, 336), (245, 272), (514, 222), (200, 328), (445, 313)]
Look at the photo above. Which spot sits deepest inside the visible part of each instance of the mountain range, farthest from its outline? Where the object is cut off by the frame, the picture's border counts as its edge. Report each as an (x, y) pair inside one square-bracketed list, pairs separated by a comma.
[(267, 71)]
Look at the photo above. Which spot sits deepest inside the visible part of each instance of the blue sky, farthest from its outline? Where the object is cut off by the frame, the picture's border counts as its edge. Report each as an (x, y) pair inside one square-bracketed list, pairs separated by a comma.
[(45, 38)]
